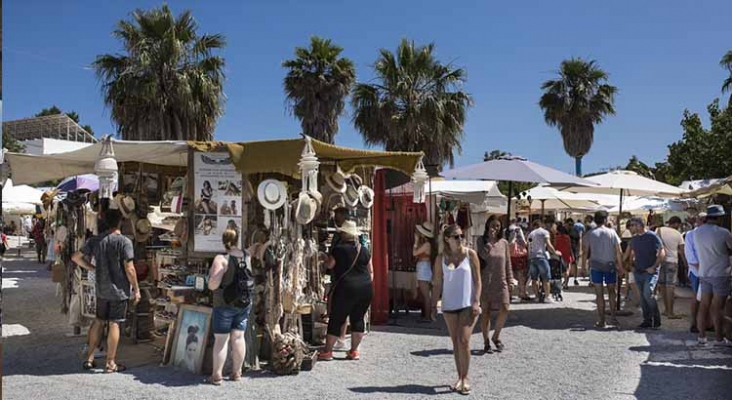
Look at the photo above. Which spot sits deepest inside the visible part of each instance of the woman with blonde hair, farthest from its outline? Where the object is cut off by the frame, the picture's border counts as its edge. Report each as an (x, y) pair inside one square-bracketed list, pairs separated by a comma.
[(422, 251), (230, 316), (457, 277)]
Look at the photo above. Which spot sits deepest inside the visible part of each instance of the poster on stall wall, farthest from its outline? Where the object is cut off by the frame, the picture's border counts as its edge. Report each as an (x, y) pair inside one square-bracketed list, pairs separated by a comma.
[(217, 200)]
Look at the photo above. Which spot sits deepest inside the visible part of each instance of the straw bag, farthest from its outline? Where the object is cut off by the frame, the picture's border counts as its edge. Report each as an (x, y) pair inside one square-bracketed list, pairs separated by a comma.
[(58, 272)]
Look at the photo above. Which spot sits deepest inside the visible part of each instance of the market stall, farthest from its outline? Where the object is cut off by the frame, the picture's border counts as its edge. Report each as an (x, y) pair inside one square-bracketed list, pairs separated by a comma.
[(178, 198)]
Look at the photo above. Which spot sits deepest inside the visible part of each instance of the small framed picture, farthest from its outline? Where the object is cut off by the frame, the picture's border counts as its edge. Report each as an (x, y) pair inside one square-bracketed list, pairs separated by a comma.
[(88, 299), (191, 336)]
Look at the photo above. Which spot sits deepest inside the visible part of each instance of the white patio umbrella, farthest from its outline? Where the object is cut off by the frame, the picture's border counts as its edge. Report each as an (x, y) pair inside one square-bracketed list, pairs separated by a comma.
[(515, 169), (627, 183), (553, 199)]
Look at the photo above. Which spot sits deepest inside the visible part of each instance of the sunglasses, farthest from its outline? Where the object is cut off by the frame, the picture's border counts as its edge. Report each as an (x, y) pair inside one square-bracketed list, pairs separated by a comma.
[(458, 237)]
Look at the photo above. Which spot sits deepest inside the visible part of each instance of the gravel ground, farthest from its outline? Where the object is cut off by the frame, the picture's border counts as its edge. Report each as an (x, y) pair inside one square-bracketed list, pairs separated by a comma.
[(551, 353)]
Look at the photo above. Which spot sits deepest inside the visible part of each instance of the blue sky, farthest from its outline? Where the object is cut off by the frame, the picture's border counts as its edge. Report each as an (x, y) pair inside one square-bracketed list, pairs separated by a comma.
[(662, 55)]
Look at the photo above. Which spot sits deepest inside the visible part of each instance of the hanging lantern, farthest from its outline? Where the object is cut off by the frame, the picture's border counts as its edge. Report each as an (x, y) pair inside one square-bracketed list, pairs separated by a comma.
[(419, 178), (106, 169), (309, 167)]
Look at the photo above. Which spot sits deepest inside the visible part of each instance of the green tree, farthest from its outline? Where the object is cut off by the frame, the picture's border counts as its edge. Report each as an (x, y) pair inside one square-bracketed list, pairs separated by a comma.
[(317, 83), (168, 84), (517, 187), (416, 103), (12, 144), (726, 63), (639, 167), (575, 102), (701, 153)]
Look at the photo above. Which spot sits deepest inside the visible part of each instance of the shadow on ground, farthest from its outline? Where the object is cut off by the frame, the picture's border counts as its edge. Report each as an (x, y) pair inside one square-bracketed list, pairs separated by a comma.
[(403, 389), (675, 362)]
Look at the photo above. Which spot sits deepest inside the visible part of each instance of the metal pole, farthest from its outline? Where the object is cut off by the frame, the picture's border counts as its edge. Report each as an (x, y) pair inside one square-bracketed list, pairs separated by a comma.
[(508, 209), (620, 280)]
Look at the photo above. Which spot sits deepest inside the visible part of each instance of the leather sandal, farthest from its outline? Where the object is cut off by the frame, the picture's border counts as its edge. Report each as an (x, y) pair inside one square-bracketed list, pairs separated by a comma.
[(116, 368), (88, 365)]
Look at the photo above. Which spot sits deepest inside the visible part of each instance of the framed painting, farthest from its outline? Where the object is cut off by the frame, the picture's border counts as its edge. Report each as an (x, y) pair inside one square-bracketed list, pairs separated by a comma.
[(191, 336)]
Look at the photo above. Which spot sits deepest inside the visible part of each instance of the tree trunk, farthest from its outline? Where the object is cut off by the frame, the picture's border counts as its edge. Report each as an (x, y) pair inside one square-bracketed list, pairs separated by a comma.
[(578, 166)]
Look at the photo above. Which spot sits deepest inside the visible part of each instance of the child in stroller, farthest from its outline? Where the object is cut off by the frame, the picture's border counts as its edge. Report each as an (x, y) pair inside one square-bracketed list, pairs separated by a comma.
[(558, 268)]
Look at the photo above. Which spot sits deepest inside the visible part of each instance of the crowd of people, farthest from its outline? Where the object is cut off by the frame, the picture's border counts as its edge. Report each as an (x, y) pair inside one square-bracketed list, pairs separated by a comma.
[(476, 283)]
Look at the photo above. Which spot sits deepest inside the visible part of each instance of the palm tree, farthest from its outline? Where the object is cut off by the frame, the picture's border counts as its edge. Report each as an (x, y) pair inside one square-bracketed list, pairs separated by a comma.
[(726, 62), (317, 84), (575, 102), (415, 104), (167, 85)]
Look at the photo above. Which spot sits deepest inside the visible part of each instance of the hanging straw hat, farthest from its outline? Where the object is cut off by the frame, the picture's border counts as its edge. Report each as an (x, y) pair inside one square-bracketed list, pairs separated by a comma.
[(48, 196), (366, 196), (143, 230), (426, 229), (272, 194), (307, 208), (337, 181), (125, 205), (351, 196)]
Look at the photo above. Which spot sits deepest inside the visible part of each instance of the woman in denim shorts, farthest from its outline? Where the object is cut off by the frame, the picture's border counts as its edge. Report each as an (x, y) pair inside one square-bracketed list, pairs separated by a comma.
[(229, 323)]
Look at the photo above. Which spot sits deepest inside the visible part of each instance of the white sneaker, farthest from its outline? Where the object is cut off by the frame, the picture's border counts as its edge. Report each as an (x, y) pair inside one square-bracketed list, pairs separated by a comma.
[(339, 345), (723, 343), (702, 341), (549, 300)]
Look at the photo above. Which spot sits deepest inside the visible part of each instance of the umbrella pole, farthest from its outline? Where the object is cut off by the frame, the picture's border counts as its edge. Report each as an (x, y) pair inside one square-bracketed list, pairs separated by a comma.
[(542, 210), (508, 208), (620, 280)]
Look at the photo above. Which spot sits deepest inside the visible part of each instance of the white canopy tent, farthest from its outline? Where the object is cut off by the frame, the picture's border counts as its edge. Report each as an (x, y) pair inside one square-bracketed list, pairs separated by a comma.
[(20, 200), (31, 169), (474, 192), (551, 199)]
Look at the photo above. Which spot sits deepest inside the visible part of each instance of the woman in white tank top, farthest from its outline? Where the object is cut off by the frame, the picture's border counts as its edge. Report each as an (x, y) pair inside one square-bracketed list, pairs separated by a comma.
[(457, 277)]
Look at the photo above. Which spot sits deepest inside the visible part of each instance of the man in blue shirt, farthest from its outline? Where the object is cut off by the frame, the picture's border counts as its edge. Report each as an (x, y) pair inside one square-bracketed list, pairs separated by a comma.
[(648, 253)]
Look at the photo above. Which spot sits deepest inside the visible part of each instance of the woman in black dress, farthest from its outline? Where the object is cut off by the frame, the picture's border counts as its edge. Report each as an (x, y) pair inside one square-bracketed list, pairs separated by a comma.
[(352, 289)]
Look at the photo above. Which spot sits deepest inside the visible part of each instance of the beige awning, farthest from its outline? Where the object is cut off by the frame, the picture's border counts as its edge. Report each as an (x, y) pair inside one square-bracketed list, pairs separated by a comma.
[(282, 156)]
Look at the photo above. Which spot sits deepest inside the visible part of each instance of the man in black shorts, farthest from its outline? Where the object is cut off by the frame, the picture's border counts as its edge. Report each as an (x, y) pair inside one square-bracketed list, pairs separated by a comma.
[(112, 255)]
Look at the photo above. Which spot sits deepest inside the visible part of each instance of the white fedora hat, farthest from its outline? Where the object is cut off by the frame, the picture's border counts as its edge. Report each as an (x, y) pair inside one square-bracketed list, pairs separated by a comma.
[(427, 229), (366, 196), (351, 196), (337, 181), (349, 227), (272, 194)]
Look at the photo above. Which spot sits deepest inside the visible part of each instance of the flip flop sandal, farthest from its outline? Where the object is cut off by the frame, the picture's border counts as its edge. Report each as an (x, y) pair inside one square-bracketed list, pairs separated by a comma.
[(465, 390), (117, 368), (600, 324), (88, 365), (456, 388), (218, 382), (499, 345), (487, 349), (236, 377)]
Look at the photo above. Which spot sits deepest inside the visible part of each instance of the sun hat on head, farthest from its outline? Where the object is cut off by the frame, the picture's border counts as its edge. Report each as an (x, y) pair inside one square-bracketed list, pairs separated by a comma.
[(427, 229), (715, 210), (272, 194), (350, 228)]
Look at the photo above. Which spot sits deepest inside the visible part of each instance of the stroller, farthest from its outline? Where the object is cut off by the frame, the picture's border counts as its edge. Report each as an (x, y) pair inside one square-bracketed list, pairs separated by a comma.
[(558, 268)]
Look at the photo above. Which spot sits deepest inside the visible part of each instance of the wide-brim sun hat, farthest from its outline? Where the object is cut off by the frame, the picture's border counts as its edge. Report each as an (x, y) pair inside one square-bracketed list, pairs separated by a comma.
[(272, 194), (355, 180), (350, 228), (125, 205), (426, 229), (366, 196)]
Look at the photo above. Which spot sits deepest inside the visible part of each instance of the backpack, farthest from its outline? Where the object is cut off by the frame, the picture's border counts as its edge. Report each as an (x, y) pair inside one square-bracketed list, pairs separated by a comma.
[(238, 291)]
